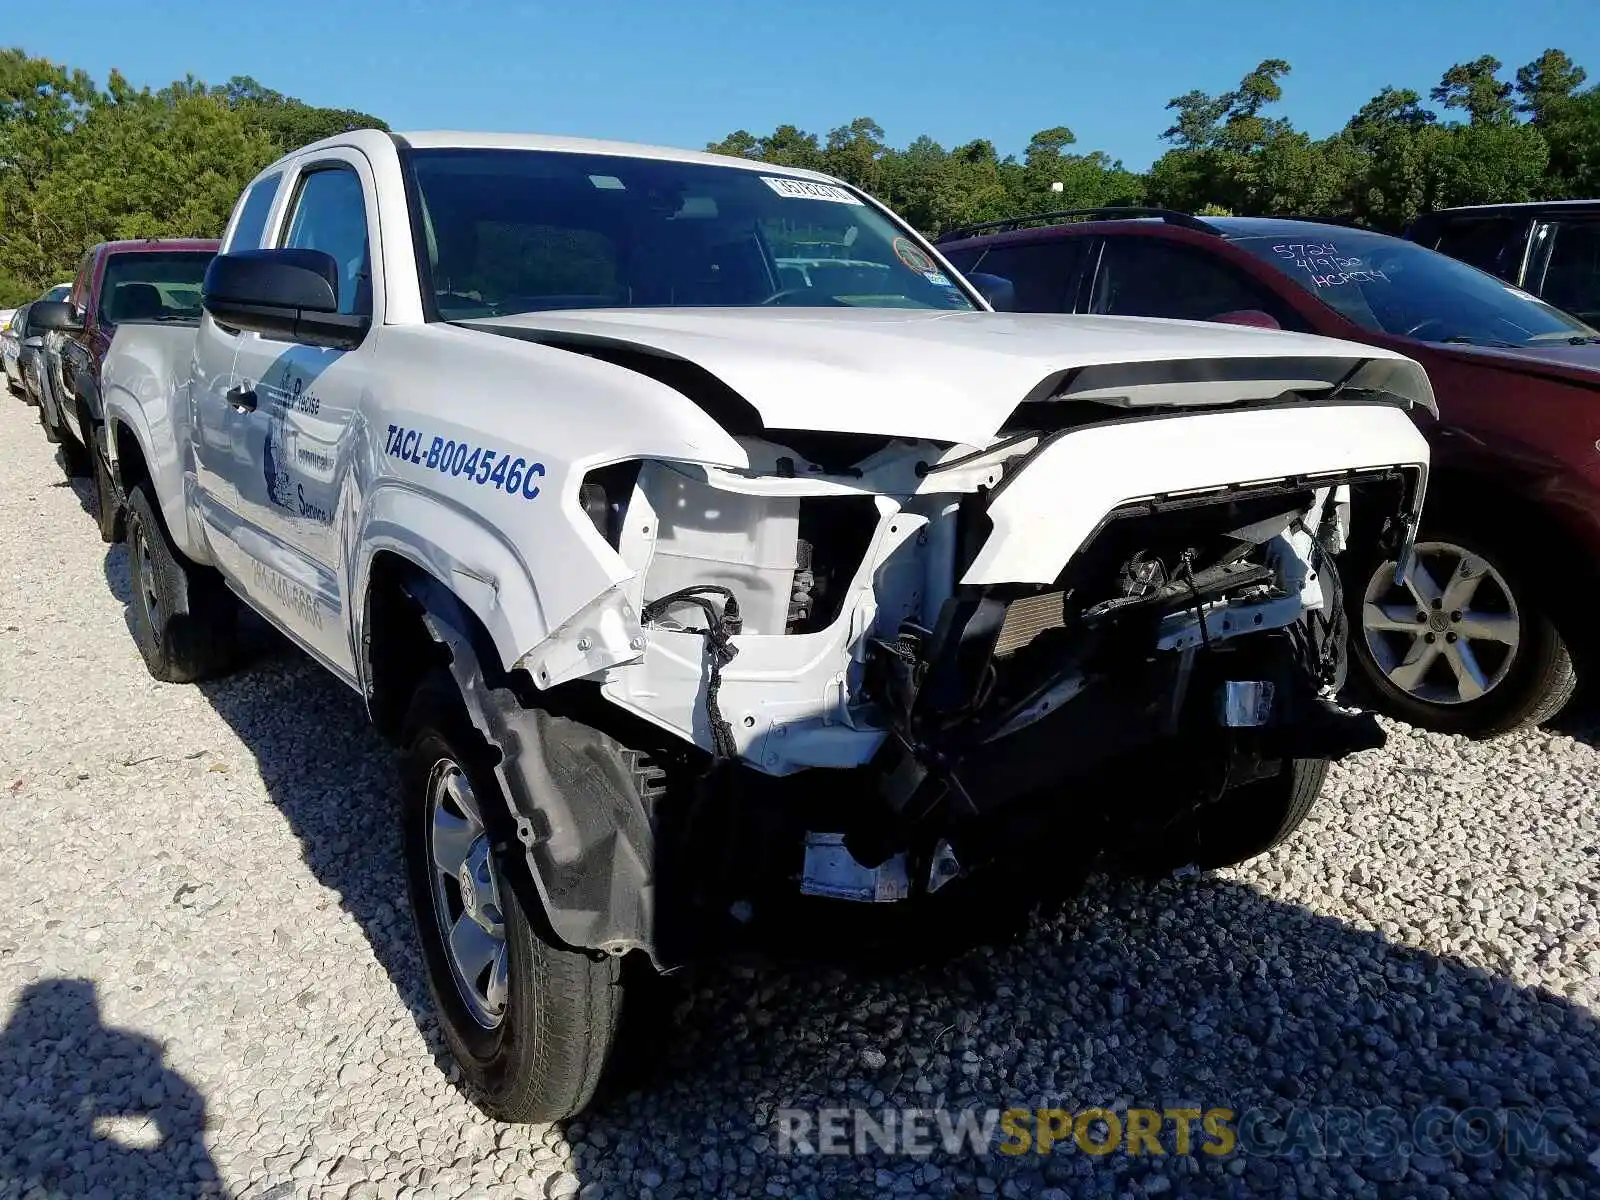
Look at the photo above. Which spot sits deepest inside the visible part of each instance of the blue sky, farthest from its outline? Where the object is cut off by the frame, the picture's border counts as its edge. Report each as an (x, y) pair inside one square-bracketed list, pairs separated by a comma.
[(688, 72)]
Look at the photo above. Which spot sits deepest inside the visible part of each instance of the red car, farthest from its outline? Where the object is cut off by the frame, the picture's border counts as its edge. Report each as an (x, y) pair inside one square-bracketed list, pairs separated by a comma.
[(1482, 637), (118, 283)]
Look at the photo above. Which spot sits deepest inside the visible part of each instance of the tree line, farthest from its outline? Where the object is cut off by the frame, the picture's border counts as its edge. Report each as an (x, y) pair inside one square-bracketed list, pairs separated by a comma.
[(81, 163), (1478, 138)]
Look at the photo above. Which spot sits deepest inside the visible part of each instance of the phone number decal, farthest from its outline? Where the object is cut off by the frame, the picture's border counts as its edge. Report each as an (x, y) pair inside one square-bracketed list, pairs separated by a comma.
[(515, 476)]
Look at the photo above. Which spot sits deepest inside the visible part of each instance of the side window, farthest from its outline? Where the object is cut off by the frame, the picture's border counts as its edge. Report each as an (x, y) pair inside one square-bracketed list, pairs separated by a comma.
[(82, 282), (1480, 244), (1572, 278), (330, 215), (1041, 272), (1147, 277), (253, 213)]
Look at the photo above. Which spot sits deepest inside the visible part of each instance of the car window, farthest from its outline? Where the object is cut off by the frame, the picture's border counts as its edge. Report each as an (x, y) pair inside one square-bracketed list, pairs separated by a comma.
[(83, 281), (1387, 285), (253, 212), (330, 214), (511, 231), (1149, 277), (1480, 243), (153, 286), (1039, 272), (1572, 278)]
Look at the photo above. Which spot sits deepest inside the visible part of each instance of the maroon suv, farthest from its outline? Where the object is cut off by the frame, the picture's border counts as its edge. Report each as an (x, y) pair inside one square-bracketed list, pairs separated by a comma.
[(1478, 639), (118, 283)]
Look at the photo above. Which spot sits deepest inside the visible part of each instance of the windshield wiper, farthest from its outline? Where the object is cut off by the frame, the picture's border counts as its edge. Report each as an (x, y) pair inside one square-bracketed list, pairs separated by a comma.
[(1466, 341), (1571, 339)]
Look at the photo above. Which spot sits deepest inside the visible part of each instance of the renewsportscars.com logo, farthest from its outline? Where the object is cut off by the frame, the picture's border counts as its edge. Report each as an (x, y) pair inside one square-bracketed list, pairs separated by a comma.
[(1528, 1135)]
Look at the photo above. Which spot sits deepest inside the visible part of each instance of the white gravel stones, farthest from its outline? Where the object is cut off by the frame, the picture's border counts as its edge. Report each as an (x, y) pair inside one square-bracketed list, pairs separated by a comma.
[(208, 983)]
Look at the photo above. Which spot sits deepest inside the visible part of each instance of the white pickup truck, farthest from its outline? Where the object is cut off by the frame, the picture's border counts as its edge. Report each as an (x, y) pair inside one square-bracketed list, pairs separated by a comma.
[(702, 589)]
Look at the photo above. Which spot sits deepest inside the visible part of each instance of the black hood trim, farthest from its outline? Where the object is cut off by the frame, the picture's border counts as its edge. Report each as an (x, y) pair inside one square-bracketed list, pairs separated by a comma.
[(737, 416)]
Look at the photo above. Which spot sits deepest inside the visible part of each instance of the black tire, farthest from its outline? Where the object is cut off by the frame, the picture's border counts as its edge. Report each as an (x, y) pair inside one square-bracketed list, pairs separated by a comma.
[(75, 461), (105, 497), (1246, 822), (50, 434), (183, 616), (543, 1057), (1539, 679)]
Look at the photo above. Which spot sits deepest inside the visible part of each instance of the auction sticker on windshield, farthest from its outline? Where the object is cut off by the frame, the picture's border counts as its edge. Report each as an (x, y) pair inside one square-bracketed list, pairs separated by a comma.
[(804, 189)]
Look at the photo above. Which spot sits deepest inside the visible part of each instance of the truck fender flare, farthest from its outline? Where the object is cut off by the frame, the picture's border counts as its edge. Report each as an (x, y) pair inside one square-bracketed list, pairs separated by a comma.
[(573, 796), (470, 559)]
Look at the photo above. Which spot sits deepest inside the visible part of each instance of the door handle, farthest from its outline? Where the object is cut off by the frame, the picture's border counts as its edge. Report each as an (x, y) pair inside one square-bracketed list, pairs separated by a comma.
[(243, 399)]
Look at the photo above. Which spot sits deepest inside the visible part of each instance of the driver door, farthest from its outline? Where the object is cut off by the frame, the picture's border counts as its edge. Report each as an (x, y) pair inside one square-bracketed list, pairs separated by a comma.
[(287, 423)]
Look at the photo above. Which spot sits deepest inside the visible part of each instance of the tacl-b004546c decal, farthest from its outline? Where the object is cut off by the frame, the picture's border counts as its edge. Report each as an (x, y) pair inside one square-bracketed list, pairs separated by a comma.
[(513, 475)]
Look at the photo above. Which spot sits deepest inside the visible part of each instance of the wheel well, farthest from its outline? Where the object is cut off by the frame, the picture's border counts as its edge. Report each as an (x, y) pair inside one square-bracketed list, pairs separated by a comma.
[(132, 469), (1551, 555), (1468, 496), (399, 649)]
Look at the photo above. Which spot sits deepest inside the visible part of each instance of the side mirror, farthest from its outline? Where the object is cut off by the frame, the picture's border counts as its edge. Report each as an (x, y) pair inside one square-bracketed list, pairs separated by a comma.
[(36, 342), (996, 289), (290, 295), (54, 314)]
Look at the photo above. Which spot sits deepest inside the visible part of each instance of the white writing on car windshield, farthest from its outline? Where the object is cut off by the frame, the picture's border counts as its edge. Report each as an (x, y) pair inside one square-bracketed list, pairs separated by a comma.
[(1325, 265)]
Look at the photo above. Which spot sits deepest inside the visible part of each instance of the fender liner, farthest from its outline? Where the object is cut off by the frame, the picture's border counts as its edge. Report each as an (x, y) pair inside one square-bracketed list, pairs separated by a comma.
[(576, 797)]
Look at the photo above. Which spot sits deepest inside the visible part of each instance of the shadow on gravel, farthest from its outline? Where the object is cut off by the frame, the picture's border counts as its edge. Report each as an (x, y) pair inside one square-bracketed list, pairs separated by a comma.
[(1580, 720), (1205, 994), (87, 1110)]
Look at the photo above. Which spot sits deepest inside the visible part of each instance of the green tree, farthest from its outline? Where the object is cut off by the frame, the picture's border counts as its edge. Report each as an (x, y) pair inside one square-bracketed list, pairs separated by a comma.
[(79, 164), (1477, 89), (855, 152), (41, 104), (291, 123), (1547, 84)]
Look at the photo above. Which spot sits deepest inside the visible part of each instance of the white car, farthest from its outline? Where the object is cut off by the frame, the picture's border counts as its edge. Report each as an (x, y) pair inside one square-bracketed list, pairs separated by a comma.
[(697, 600)]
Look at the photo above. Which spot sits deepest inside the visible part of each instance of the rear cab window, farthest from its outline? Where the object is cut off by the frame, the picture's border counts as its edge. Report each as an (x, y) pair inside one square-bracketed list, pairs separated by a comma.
[(155, 285)]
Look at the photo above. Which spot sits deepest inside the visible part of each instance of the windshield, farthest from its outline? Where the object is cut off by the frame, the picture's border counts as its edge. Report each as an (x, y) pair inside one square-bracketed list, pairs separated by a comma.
[(509, 231), (153, 286), (1392, 286), (59, 292)]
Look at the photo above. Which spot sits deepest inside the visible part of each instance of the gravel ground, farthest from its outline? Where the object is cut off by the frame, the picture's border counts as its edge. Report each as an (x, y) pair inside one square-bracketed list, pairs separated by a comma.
[(208, 983)]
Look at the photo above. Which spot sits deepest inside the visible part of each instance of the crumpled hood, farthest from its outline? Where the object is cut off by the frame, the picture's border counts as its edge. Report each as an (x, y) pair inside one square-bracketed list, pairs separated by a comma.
[(957, 376)]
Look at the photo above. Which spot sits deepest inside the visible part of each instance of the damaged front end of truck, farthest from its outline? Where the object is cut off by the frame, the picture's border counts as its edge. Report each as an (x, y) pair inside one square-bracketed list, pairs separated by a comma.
[(874, 668)]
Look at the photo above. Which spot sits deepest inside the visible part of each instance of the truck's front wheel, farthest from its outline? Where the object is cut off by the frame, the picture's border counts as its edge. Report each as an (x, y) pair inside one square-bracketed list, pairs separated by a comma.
[(1247, 821), (531, 1023), (183, 616)]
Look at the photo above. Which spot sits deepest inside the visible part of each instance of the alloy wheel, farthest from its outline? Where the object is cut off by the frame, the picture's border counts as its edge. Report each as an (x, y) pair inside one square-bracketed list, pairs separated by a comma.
[(466, 894), (1448, 635)]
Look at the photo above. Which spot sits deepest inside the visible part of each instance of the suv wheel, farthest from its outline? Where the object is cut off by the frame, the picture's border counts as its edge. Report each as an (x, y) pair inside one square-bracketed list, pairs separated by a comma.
[(1465, 645), (531, 1023)]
